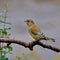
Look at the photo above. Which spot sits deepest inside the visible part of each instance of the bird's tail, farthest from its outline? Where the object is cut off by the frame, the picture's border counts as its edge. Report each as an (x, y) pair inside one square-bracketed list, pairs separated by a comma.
[(48, 38), (52, 39)]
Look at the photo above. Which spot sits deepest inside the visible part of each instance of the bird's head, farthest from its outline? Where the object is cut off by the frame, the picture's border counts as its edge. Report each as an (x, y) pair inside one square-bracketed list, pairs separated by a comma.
[(29, 22)]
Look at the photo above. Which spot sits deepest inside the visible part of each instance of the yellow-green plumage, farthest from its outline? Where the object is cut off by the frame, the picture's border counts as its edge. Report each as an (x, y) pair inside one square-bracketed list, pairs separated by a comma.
[(34, 30)]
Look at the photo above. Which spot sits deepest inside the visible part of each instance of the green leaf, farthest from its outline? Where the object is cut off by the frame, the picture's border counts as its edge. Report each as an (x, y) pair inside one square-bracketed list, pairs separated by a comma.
[(5, 22), (7, 28), (4, 52), (4, 32), (8, 51), (9, 48), (0, 48)]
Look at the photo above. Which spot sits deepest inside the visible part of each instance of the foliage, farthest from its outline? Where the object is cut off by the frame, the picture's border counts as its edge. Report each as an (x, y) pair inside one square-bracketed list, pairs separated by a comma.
[(5, 50), (4, 31)]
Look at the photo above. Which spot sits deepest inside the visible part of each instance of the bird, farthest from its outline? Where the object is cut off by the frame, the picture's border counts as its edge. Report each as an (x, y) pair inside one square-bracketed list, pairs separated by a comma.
[(36, 32)]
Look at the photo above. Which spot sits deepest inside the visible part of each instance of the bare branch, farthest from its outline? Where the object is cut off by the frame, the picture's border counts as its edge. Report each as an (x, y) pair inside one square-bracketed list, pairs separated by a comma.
[(29, 45)]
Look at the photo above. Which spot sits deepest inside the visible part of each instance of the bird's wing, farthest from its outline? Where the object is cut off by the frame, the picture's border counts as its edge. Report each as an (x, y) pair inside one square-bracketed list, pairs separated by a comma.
[(35, 28), (39, 33)]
